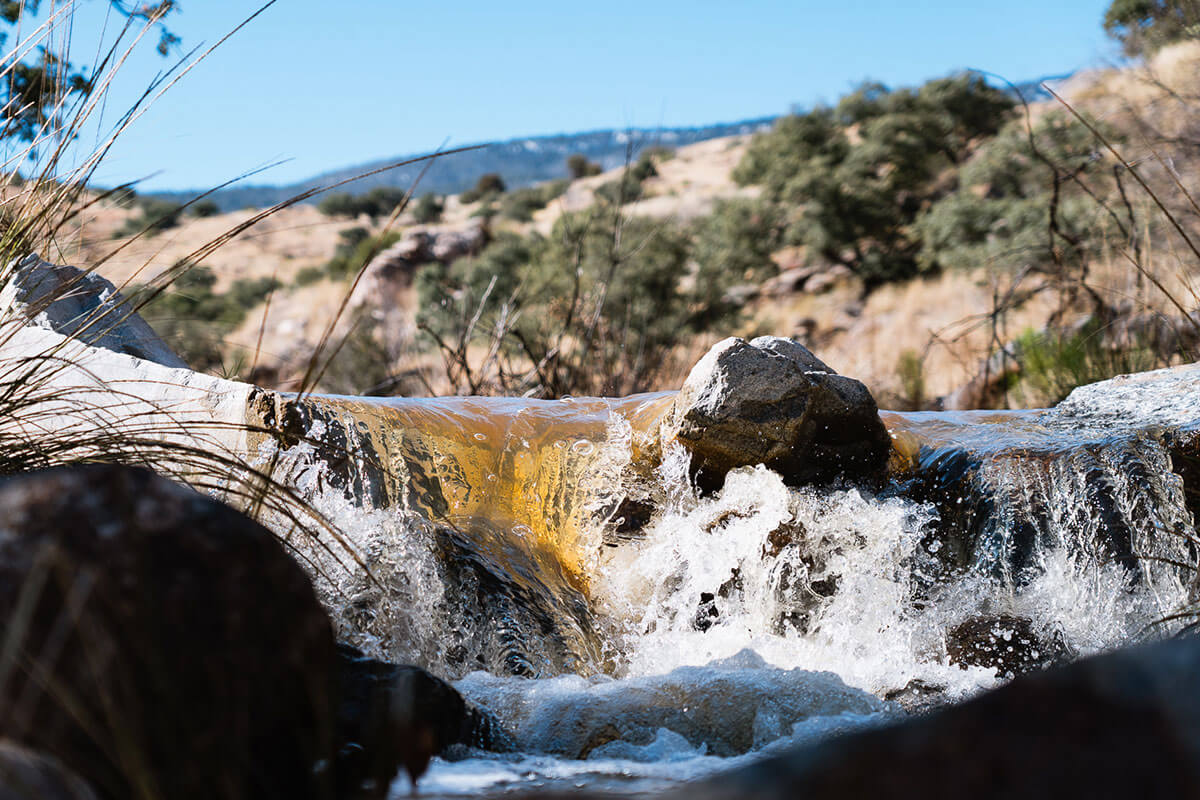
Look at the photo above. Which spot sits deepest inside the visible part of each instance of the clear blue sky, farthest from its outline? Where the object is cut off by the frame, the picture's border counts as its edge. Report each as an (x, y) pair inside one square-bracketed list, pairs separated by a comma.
[(327, 87)]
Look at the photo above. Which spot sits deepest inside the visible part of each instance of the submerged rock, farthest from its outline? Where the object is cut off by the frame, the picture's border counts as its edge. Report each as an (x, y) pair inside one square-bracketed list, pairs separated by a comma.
[(1003, 642), (81, 304), (1125, 724), (166, 645), (771, 401), (392, 716), (29, 775)]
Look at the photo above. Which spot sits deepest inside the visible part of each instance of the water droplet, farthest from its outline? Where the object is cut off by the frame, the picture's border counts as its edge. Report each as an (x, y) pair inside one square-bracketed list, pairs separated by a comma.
[(566, 398), (583, 447), (560, 443), (481, 437), (491, 478), (522, 530)]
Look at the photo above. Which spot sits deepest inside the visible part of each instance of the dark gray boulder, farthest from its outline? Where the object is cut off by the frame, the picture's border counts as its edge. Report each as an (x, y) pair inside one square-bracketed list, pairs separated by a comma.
[(163, 645), (1125, 724), (771, 401), (29, 775), (393, 716)]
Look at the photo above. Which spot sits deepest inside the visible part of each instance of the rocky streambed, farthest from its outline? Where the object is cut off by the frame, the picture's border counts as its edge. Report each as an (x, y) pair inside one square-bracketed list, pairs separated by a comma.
[(757, 586)]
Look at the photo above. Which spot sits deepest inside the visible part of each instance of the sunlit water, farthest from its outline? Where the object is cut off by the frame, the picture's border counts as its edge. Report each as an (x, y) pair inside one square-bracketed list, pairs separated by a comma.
[(628, 657)]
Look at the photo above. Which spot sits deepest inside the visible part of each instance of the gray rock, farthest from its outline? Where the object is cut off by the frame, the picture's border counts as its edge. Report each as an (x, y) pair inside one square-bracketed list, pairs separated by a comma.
[(81, 304), (771, 401), (30, 775), (165, 645), (1122, 725), (451, 245), (789, 281), (395, 715)]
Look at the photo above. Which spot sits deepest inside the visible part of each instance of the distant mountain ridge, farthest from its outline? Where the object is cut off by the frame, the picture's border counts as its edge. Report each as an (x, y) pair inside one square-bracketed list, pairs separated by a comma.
[(520, 162)]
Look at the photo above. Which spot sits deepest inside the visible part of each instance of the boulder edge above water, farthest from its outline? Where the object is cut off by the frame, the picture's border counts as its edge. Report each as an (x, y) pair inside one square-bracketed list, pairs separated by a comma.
[(771, 401)]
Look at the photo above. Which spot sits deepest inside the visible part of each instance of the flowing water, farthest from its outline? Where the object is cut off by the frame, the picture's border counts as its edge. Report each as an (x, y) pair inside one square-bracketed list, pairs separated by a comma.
[(556, 564)]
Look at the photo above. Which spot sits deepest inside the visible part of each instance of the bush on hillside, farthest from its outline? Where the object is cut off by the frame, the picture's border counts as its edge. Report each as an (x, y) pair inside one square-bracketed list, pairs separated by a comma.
[(155, 216), (204, 208), (428, 209), (1022, 201), (356, 248), (488, 186), (595, 308), (857, 196), (519, 205), (578, 167), (193, 319), (733, 245), (376, 203), (1143, 26)]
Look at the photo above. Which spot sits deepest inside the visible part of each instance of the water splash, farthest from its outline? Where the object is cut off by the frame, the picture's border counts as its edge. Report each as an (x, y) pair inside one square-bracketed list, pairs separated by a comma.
[(502, 537)]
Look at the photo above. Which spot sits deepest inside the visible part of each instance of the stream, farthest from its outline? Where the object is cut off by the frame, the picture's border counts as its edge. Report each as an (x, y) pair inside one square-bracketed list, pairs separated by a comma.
[(555, 562)]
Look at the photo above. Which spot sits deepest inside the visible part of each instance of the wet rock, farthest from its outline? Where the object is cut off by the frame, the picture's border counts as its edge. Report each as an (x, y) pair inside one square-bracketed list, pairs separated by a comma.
[(917, 696), (166, 645), (1003, 642), (393, 715), (1125, 724), (770, 401), (29, 775), (77, 303)]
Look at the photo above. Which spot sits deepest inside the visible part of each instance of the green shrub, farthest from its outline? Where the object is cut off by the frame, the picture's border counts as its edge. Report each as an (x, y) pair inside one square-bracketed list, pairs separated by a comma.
[(487, 187), (376, 203), (309, 275), (1053, 363), (355, 250), (519, 205), (155, 217), (193, 319), (578, 167), (428, 209), (911, 370), (596, 307), (854, 201), (733, 245), (204, 208), (1143, 26), (1001, 214)]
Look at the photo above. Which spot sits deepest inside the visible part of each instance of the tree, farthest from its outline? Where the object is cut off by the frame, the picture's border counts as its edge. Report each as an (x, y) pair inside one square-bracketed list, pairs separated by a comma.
[(1143, 26), (854, 179), (488, 185), (428, 209), (32, 94), (579, 167)]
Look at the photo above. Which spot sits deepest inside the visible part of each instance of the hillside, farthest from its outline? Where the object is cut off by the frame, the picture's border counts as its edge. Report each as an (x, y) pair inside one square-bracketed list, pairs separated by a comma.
[(961, 300)]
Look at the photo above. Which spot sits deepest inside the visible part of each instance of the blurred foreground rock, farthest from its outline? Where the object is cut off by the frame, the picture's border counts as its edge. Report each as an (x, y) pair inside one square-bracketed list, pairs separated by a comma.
[(166, 646), (770, 401), (394, 716), (1120, 725), (29, 775)]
